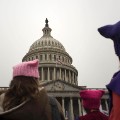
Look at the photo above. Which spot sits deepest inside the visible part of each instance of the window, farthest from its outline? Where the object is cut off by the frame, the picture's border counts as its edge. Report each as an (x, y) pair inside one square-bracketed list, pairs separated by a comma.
[(63, 59), (45, 56), (59, 57), (55, 57), (50, 57), (45, 73), (51, 71), (40, 57)]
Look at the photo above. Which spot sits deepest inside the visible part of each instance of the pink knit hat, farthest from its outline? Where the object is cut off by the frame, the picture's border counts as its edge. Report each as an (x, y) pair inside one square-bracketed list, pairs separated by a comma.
[(29, 68), (91, 98)]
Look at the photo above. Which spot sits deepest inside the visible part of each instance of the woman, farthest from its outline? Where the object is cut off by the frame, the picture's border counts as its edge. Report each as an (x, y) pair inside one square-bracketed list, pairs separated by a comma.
[(24, 100), (91, 103), (113, 32)]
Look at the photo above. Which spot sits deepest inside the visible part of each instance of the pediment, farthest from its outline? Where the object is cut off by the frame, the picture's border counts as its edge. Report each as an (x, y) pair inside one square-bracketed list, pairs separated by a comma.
[(59, 85)]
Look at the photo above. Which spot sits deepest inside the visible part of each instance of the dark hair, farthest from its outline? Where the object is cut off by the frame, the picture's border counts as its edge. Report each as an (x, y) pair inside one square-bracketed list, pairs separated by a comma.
[(21, 88)]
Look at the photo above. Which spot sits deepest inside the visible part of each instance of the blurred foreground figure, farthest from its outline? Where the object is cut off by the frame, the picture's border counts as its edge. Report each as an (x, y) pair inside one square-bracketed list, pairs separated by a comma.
[(91, 103), (25, 100), (113, 32)]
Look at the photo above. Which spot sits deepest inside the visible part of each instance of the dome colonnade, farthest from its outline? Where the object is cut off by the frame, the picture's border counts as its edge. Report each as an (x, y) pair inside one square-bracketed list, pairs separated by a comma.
[(55, 62)]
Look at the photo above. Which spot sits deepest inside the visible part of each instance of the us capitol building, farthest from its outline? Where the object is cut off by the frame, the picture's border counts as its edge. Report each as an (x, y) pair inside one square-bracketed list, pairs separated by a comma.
[(58, 75)]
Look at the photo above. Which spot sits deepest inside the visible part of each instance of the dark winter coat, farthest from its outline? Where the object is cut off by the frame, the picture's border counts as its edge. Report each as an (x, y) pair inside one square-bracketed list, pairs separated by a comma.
[(38, 109)]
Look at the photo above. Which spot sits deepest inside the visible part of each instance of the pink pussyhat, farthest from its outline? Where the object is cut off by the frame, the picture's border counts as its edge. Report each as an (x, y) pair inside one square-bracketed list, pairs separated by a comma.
[(29, 68), (91, 98)]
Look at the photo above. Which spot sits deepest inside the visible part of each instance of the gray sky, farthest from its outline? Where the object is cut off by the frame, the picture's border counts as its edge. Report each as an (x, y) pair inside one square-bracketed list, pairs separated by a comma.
[(74, 23)]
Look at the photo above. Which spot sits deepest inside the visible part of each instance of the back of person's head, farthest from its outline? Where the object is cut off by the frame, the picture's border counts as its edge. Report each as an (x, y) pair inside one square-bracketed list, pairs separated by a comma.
[(91, 98), (112, 31), (29, 69), (24, 84)]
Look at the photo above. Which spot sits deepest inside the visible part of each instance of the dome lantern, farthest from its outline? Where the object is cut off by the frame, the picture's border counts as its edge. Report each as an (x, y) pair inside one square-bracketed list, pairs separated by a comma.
[(47, 41), (46, 30)]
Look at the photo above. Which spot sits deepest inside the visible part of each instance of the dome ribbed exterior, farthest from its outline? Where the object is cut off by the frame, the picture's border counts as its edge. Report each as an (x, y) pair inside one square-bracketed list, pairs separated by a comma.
[(47, 42), (54, 62)]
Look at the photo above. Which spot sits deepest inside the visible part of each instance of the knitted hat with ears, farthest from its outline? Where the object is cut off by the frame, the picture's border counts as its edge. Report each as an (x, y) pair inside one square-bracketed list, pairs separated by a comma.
[(112, 32), (29, 68), (91, 98)]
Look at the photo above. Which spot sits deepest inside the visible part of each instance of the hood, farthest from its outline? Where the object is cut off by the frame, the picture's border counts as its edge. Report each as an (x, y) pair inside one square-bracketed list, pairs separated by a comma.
[(33, 109), (10, 110), (14, 108)]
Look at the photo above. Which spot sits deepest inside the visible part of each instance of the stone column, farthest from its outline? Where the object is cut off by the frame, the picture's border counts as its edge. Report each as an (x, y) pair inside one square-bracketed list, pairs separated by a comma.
[(65, 74), (63, 106), (71, 109), (79, 106), (54, 73), (73, 77), (42, 74), (48, 74), (60, 74), (106, 105), (69, 77), (76, 80)]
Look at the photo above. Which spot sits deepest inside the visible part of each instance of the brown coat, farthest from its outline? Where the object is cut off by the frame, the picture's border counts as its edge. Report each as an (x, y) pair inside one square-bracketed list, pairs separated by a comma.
[(31, 110)]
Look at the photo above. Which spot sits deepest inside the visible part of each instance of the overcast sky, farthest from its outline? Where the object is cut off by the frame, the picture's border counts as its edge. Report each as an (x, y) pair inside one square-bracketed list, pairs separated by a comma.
[(74, 23)]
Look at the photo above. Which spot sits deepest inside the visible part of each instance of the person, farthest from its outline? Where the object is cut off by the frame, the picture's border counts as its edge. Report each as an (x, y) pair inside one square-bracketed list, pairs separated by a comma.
[(91, 104), (25, 100), (113, 32)]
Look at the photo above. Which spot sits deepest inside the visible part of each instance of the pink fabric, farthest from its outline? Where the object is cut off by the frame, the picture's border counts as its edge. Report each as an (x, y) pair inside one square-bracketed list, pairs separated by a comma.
[(91, 98), (96, 115), (29, 68), (115, 112)]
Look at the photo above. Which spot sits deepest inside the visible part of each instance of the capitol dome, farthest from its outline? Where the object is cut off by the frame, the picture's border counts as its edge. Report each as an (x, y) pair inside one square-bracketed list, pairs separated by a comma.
[(55, 62), (47, 41)]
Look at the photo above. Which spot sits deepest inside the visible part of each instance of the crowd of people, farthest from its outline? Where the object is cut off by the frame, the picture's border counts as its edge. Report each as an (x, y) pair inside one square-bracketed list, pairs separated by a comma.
[(26, 100)]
